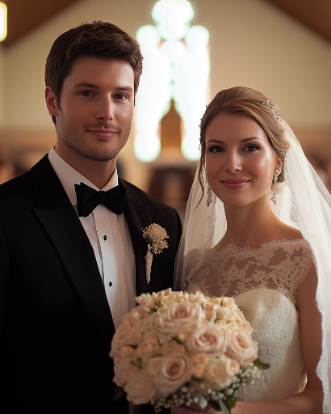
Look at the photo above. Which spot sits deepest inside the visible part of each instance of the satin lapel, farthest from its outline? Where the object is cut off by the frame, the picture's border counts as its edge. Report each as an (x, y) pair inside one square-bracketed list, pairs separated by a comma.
[(63, 226), (138, 216)]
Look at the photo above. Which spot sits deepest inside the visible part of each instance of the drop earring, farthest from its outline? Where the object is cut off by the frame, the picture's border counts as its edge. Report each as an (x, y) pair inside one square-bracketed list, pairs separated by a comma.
[(273, 198)]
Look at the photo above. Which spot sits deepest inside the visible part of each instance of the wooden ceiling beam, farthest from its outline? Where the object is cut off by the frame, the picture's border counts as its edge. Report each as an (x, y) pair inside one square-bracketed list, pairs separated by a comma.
[(26, 15), (316, 14)]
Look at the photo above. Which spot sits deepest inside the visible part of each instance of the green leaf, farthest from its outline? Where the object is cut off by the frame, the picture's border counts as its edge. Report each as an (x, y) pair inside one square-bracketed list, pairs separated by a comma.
[(224, 407), (230, 402), (220, 405), (119, 393), (260, 364), (118, 389), (215, 405)]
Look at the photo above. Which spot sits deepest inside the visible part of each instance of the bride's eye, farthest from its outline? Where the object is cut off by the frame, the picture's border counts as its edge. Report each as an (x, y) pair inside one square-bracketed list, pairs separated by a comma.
[(251, 148)]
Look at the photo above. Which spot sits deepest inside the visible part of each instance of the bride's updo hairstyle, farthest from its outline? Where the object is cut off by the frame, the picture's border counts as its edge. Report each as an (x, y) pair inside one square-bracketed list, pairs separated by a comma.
[(241, 100)]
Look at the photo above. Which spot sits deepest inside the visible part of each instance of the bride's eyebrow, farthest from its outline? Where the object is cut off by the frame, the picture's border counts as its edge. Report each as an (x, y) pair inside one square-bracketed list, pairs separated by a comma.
[(243, 140)]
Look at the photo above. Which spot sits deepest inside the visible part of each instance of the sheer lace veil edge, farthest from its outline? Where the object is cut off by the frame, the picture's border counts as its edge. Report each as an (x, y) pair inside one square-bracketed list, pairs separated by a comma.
[(304, 203)]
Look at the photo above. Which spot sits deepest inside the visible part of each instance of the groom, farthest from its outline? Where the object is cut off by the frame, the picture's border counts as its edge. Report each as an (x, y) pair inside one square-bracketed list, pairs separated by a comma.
[(72, 260)]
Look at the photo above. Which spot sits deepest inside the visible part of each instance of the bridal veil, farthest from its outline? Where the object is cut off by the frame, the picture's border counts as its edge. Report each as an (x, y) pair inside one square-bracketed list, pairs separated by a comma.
[(303, 203)]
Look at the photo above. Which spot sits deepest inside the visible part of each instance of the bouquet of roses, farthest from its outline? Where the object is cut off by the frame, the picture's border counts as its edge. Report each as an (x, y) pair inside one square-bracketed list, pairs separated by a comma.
[(176, 348)]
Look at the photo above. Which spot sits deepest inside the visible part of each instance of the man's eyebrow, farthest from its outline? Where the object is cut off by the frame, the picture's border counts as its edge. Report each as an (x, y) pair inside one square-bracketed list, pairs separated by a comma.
[(94, 86), (243, 140)]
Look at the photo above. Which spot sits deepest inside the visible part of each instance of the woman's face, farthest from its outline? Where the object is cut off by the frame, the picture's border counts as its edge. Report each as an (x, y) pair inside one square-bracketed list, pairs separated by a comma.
[(240, 161)]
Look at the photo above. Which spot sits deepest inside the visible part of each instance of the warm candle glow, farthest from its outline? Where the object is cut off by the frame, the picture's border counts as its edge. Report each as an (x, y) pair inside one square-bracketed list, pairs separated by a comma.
[(3, 21)]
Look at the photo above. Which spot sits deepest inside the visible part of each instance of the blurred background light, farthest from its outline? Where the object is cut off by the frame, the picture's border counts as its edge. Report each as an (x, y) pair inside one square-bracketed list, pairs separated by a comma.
[(3, 21)]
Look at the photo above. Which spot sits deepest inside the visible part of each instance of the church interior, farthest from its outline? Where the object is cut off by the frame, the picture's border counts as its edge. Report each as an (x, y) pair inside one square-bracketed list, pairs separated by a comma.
[(281, 48)]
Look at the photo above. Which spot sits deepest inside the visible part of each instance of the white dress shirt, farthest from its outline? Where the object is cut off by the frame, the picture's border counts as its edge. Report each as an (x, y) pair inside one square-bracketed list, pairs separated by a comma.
[(110, 238)]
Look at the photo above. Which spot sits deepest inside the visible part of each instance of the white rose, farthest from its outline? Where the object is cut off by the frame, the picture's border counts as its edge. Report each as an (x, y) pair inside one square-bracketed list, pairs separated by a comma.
[(170, 373), (119, 373), (206, 339), (139, 389), (177, 316), (126, 333), (220, 372), (241, 347)]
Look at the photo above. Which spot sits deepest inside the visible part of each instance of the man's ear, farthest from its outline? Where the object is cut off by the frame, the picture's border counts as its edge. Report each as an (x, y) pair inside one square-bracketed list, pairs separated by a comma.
[(51, 101)]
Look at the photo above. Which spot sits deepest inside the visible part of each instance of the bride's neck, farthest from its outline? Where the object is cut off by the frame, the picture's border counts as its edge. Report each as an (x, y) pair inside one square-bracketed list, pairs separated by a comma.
[(251, 225)]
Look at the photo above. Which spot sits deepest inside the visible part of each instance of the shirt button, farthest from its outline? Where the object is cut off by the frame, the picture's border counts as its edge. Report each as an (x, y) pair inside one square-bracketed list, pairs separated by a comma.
[(110, 283), (105, 237)]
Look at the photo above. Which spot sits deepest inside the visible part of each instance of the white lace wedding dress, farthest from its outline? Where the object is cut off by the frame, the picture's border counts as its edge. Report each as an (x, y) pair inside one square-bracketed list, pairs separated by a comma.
[(263, 282)]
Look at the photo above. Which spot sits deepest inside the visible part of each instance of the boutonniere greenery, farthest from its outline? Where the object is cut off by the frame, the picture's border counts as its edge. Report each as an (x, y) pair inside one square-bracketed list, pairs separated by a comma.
[(155, 236)]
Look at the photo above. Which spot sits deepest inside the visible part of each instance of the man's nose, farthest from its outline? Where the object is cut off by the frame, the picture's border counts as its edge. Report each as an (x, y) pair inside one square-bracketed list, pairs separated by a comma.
[(105, 109)]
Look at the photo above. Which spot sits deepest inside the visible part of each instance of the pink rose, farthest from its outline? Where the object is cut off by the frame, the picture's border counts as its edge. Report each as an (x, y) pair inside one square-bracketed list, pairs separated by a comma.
[(206, 339), (177, 316), (171, 372), (241, 347)]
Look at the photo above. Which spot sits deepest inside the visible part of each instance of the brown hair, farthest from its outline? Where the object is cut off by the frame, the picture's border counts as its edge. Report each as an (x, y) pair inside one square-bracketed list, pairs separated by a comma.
[(97, 39), (245, 101)]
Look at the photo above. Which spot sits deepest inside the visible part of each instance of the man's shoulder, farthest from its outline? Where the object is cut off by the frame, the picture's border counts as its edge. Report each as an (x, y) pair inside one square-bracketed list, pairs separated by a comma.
[(15, 184), (23, 189), (24, 179)]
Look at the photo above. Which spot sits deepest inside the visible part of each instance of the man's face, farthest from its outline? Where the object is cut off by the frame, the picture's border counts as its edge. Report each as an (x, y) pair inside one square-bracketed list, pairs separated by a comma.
[(94, 115)]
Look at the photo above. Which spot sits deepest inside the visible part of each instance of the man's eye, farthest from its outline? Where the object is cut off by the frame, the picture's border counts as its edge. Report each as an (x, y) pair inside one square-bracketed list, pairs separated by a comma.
[(120, 96), (215, 149), (86, 93)]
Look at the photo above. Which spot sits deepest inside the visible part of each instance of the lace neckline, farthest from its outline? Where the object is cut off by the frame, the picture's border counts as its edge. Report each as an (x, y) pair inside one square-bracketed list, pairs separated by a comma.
[(279, 264), (263, 246)]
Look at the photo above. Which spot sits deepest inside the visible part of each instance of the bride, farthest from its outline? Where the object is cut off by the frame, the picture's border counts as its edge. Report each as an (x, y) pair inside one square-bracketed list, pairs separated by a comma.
[(258, 228)]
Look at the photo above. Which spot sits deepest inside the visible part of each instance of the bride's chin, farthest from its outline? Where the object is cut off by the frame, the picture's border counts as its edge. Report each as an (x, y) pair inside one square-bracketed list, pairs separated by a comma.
[(239, 205), (235, 202)]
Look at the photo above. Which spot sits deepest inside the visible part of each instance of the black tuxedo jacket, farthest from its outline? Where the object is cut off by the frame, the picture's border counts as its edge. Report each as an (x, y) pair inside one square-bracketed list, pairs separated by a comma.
[(55, 322)]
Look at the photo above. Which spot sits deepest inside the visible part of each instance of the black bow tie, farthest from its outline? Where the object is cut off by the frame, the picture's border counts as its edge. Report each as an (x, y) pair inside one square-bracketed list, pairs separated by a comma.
[(88, 199)]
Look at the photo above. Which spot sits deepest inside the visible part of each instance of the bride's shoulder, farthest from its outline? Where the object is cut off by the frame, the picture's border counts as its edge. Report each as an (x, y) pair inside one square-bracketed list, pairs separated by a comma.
[(290, 233), (294, 236)]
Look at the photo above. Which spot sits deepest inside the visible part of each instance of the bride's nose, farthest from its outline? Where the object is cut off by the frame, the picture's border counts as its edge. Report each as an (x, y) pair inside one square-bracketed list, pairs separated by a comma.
[(233, 162)]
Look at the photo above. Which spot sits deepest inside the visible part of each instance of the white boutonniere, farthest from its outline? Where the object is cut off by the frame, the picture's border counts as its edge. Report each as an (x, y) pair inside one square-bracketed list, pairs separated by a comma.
[(155, 236)]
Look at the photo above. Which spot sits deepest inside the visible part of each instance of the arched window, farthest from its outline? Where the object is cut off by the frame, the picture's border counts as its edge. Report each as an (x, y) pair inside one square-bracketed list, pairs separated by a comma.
[(176, 68)]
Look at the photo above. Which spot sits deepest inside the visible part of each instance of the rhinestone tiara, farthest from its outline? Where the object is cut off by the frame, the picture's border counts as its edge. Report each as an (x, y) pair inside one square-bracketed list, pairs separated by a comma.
[(273, 109)]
